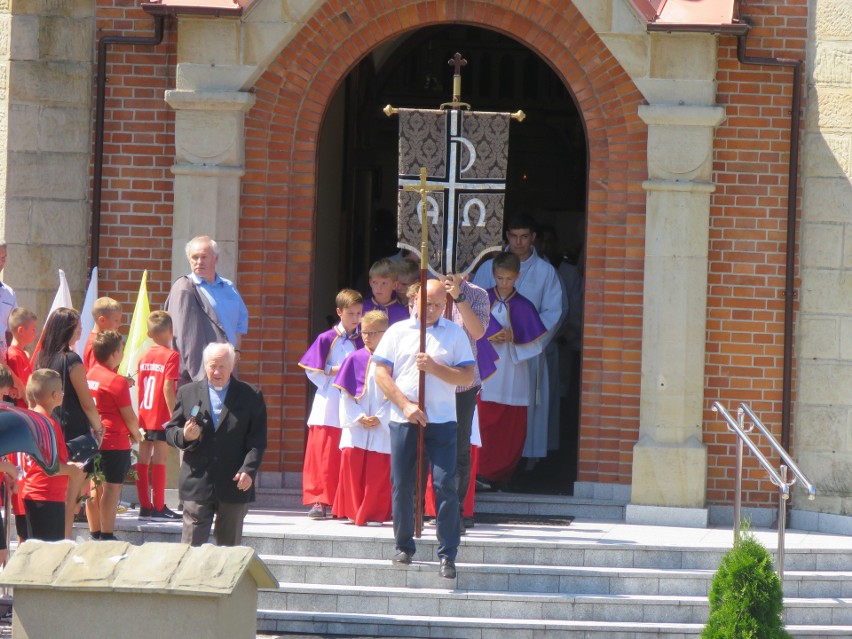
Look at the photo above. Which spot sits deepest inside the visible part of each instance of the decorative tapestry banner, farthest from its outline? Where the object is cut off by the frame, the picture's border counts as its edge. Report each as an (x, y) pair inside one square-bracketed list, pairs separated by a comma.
[(466, 153)]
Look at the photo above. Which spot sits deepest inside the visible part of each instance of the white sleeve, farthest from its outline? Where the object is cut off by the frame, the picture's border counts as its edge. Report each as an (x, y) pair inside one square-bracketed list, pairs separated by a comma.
[(350, 410), (552, 302), (319, 379)]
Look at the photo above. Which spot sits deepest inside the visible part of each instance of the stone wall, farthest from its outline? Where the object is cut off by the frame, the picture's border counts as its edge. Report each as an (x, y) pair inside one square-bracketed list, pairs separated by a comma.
[(824, 407), (45, 111)]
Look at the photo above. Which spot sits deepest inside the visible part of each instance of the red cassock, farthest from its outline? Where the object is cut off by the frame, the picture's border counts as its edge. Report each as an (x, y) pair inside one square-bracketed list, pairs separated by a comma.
[(321, 471), (471, 490), (503, 430), (364, 490)]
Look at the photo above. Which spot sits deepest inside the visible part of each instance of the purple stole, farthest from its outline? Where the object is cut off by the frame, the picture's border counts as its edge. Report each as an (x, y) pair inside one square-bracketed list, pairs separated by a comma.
[(395, 310), (316, 357), (352, 376), (525, 321)]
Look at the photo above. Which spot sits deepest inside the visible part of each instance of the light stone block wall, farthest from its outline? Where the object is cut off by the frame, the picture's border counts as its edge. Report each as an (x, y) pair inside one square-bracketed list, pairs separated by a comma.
[(823, 411), (46, 56)]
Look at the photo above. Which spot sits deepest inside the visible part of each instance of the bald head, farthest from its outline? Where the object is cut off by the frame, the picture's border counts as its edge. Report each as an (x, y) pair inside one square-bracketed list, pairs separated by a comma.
[(436, 300)]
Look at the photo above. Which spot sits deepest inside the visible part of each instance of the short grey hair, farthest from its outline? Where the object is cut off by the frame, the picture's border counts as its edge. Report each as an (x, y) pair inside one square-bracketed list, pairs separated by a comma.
[(213, 348), (206, 239)]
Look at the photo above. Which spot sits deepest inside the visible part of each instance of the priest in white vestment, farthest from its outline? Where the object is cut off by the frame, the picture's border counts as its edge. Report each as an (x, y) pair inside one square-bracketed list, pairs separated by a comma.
[(539, 283)]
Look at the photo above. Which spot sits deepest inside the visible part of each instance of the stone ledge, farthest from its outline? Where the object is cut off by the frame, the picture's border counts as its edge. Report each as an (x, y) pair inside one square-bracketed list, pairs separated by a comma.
[(117, 566), (210, 100), (666, 516), (681, 115)]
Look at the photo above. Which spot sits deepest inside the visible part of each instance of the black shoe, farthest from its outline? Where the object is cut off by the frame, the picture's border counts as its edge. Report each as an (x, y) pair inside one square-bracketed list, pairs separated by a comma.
[(482, 484), (145, 513), (401, 558), (164, 514), (447, 569), (462, 527)]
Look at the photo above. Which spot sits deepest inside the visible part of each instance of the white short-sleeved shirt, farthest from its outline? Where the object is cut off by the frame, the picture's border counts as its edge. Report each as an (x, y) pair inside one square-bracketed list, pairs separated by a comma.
[(446, 343)]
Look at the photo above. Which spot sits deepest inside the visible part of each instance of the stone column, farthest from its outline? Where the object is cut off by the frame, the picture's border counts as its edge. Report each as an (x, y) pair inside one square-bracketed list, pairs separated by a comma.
[(670, 460), (46, 62), (209, 162)]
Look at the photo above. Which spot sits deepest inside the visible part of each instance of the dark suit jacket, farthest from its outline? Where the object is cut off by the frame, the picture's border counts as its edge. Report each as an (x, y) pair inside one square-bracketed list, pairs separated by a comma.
[(210, 463)]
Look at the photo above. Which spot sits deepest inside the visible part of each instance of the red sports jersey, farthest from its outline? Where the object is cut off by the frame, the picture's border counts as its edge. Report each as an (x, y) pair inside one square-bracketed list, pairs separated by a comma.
[(41, 487), (19, 460), (19, 363), (158, 364), (111, 393), (89, 360)]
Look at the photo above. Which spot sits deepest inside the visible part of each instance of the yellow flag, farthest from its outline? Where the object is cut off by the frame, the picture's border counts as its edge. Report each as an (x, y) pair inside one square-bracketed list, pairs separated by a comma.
[(137, 340)]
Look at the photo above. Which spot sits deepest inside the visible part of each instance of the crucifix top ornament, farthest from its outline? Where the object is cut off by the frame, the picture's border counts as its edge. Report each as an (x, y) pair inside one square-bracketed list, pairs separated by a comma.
[(457, 62)]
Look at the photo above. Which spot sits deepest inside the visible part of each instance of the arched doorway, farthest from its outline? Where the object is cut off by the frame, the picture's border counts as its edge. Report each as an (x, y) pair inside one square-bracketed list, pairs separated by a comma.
[(548, 160), (281, 222)]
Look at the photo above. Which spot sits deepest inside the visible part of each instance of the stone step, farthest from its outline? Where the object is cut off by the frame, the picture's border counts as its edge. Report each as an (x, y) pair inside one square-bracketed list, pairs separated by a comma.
[(358, 624), (554, 505), (501, 548), (486, 502), (541, 579), (446, 601)]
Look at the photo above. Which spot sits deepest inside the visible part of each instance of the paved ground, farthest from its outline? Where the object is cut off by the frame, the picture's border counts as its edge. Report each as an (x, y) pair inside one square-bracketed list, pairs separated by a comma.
[(267, 522)]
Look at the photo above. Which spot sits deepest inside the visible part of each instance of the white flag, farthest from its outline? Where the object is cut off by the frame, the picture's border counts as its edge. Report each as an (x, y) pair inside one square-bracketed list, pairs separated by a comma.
[(87, 322)]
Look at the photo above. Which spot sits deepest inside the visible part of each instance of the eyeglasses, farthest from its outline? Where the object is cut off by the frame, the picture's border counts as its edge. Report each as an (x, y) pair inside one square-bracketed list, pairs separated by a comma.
[(370, 333)]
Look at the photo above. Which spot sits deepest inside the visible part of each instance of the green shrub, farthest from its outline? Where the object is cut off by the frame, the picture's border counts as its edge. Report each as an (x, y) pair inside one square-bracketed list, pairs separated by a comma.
[(746, 598)]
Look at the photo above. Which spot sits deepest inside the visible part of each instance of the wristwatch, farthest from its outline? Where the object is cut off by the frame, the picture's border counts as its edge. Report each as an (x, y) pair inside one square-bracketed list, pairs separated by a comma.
[(461, 298)]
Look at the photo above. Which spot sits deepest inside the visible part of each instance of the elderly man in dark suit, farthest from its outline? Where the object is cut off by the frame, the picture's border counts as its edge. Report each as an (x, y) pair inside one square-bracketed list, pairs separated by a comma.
[(220, 425)]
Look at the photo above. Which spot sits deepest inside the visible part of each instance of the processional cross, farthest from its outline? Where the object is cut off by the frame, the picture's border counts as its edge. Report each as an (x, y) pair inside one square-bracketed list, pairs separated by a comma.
[(452, 182), (423, 189)]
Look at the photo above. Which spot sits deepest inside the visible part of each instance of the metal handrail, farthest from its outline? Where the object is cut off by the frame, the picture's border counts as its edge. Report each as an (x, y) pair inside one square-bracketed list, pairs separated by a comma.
[(779, 477)]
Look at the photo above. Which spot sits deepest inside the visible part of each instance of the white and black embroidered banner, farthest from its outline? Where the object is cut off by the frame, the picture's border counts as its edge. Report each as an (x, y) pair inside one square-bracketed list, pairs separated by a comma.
[(466, 153)]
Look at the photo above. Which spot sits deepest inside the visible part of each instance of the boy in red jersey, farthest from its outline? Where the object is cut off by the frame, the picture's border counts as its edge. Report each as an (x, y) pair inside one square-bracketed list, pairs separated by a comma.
[(107, 314), (111, 393), (159, 369), (22, 325), (44, 495)]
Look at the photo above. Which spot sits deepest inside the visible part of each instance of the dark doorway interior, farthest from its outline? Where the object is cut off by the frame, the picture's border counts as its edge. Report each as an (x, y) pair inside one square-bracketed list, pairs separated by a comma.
[(547, 170)]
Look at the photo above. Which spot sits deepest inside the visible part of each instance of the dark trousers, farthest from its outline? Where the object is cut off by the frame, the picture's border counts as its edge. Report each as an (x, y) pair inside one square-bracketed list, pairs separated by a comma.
[(45, 519), (198, 518), (440, 446), (465, 405)]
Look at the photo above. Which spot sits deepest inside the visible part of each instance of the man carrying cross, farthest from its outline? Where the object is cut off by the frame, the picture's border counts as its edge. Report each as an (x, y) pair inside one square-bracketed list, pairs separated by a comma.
[(447, 361)]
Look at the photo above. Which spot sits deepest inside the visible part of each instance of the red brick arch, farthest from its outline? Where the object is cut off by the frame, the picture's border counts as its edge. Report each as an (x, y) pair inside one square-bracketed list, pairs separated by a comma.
[(279, 194)]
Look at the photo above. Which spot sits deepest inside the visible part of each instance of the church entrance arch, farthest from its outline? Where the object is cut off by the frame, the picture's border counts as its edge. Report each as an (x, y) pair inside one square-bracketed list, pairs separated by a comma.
[(320, 198), (548, 159)]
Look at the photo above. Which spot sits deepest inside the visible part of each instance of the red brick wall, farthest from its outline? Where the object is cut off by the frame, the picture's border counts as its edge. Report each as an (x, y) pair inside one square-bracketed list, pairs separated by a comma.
[(276, 229), (280, 183), (748, 230), (136, 210)]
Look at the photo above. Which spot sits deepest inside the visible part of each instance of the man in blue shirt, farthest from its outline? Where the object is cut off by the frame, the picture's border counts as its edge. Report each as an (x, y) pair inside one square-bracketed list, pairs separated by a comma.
[(205, 308)]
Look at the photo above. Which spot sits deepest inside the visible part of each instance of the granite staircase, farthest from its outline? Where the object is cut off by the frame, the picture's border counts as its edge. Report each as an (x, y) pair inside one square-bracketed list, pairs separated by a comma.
[(529, 581)]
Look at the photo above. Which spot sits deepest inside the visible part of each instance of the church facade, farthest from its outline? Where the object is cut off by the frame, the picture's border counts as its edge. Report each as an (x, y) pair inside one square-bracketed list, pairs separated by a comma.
[(708, 277)]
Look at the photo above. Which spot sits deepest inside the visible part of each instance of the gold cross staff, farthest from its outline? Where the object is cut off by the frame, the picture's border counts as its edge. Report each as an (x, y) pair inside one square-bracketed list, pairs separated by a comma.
[(423, 189)]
